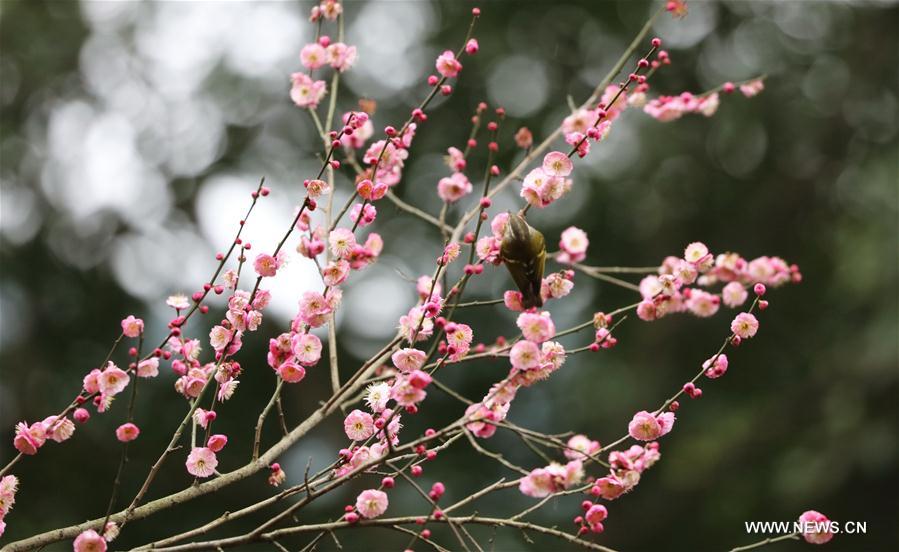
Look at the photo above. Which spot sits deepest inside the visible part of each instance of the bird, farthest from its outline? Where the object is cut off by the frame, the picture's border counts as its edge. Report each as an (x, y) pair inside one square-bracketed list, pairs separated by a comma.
[(523, 250)]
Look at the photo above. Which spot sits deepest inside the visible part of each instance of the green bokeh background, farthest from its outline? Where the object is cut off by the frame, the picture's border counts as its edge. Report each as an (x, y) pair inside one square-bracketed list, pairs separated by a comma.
[(806, 418)]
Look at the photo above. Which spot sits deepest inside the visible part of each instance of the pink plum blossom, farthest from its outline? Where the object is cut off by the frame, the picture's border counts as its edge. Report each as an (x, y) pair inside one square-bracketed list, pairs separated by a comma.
[(313, 56), (291, 372), (335, 272), (580, 447), (316, 187), (371, 191), (670, 108), (455, 159), (524, 138), (716, 366), (127, 432), (702, 303), (752, 88), (112, 380), (612, 92), (646, 427), (450, 253), (488, 249), (447, 64), (29, 438), (314, 308), (540, 189), (734, 294), (201, 462), (744, 325), (555, 286), (89, 541), (148, 368), (363, 214), (578, 121), (371, 503), (305, 92), (216, 442), (596, 514), (132, 327), (407, 360), (277, 475), (480, 416), (219, 337), (460, 339), (453, 188), (341, 56), (816, 528), (415, 326), (8, 486), (427, 287), (573, 245), (512, 300), (306, 348), (266, 265), (525, 355), (342, 242), (556, 163), (542, 482), (58, 429), (536, 327), (362, 131), (405, 393), (419, 379), (358, 425)]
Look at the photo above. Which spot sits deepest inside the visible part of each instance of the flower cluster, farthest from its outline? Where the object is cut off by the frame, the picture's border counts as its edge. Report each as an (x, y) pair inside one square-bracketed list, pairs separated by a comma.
[(361, 127), (387, 157), (305, 91), (292, 352), (487, 248), (324, 52), (383, 426), (626, 468), (555, 477), (9, 484), (547, 183), (533, 358), (398, 387), (29, 438), (669, 108), (594, 124), (556, 285), (669, 292)]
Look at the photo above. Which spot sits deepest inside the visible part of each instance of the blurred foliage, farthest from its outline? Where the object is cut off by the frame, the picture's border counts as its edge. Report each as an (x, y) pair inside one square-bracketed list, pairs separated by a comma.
[(805, 419)]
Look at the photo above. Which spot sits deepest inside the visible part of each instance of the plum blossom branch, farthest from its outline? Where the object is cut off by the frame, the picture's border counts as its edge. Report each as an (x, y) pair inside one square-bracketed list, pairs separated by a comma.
[(534, 152), (765, 542), (392, 383), (262, 415)]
